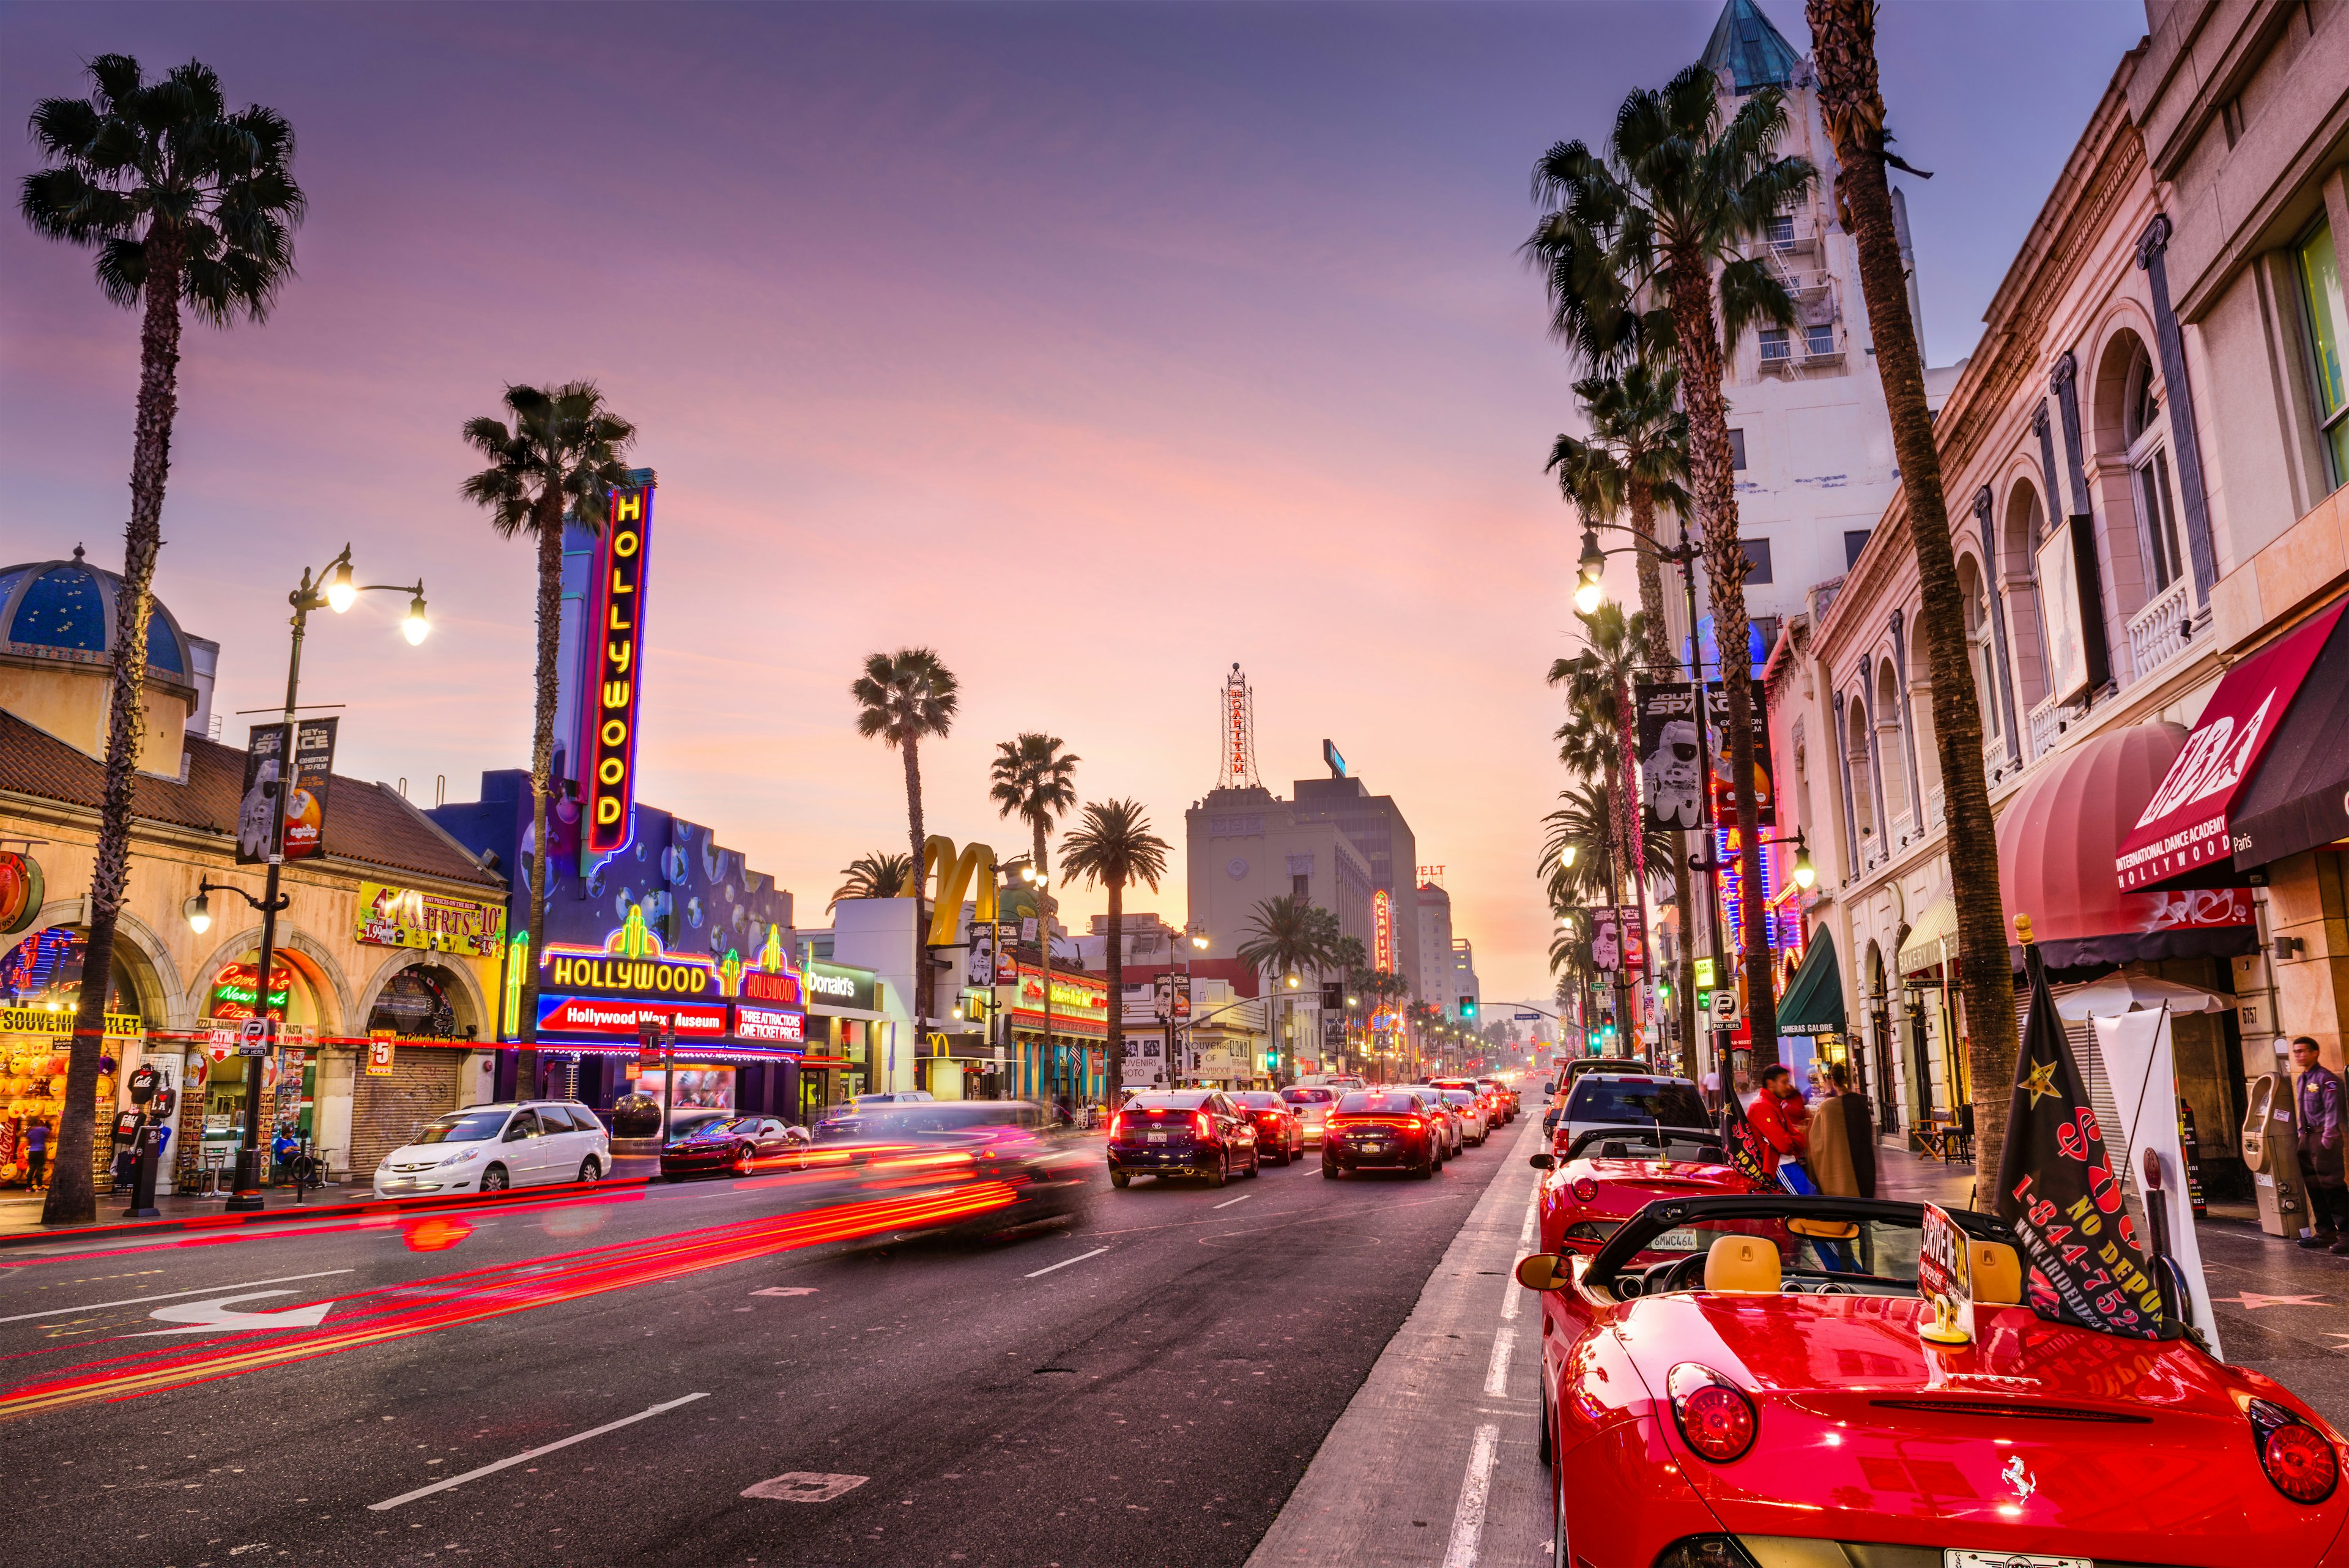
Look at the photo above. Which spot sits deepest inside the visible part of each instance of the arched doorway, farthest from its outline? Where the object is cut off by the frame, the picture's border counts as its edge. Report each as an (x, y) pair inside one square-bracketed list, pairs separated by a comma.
[(217, 1078)]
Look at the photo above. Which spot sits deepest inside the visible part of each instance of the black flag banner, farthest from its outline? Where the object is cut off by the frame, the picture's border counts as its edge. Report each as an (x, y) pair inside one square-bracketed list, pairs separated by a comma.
[(1745, 1147), (2058, 1189)]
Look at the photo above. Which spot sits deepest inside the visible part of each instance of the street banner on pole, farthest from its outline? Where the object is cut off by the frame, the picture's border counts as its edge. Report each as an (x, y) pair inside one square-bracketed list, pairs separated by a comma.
[(1668, 763), (1614, 947), (2057, 1187)]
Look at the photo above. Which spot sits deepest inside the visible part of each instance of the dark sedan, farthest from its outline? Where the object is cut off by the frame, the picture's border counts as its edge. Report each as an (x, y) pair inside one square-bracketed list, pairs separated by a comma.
[(1279, 1130), (1182, 1132), (740, 1146), (1384, 1129)]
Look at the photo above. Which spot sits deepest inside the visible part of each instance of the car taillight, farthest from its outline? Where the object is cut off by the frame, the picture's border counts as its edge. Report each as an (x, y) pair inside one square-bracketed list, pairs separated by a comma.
[(1715, 1415), (1585, 1190), (2296, 1456), (1116, 1120), (1200, 1121)]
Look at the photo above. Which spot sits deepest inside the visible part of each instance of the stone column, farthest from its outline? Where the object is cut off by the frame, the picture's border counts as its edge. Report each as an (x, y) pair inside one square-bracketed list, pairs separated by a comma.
[(2192, 491)]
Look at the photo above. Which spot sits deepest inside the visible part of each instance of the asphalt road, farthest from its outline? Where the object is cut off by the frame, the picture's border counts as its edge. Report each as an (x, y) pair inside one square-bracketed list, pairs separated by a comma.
[(1152, 1400)]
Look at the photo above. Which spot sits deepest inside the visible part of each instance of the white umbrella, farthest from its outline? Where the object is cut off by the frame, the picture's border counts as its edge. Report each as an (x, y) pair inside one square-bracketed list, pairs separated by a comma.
[(2118, 993)]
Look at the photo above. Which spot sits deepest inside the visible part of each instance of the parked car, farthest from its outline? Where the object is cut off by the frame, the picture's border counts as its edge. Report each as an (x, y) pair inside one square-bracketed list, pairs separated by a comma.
[(1182, 1132), (1605, 1175), (1563, 1085), (1745, 1399), (1313, 1104), (491, 1148), (1387, 1129), (737, 1145), (1279, 1130), (1629, 1100)]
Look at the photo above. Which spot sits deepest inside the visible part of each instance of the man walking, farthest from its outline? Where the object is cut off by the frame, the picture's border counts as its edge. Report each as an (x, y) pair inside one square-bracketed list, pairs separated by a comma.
[(2316, 1118), (1776, 1129)]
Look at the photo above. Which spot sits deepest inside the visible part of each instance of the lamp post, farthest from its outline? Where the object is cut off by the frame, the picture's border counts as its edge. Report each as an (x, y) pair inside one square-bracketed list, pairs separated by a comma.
[(331, 589)]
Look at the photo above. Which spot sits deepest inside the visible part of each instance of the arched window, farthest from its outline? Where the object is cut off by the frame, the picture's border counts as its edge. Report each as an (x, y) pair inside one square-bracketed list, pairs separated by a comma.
[(2146, 432), (1981, 652), (1891, 757), (1863, 798)]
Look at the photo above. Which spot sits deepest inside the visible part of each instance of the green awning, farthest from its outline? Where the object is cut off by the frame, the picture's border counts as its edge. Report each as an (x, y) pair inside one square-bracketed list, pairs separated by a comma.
[(1814, 1000)]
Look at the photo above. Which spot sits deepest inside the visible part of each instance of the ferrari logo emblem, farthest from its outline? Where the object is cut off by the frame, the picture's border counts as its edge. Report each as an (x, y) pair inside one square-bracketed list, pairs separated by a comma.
[(2041, 1081), (2024, 1482)]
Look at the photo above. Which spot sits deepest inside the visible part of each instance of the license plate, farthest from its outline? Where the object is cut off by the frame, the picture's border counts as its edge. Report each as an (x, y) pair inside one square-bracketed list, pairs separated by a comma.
[(1157, 1138), (1374, 1146), (1685, 1241), (1955, 1558)]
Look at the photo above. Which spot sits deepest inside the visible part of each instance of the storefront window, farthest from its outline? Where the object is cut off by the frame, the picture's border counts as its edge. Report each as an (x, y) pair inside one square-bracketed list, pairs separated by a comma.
[(698, 1087), (2328, 327)]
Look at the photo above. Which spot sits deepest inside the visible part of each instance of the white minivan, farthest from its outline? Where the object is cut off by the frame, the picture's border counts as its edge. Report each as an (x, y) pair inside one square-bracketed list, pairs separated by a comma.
[(491, 1148)]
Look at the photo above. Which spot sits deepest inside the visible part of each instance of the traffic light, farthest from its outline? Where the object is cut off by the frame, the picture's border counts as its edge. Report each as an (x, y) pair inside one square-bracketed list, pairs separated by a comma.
[(1272, 1061), (1468, 1007)]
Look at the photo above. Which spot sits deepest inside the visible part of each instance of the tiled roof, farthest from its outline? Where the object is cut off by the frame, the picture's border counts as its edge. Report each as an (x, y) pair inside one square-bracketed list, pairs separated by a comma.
[(365, 821)]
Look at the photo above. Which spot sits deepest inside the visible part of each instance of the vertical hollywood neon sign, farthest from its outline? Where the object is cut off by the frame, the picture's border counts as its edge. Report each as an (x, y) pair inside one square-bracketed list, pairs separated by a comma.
[(1381, 930), (609, 721)]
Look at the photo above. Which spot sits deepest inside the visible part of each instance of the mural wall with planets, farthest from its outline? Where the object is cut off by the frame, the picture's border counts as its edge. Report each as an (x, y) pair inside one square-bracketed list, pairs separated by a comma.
[(697, 895)]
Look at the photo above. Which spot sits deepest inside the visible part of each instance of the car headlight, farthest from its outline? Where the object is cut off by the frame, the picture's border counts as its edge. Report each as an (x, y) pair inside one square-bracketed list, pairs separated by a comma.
[(461, 1158)]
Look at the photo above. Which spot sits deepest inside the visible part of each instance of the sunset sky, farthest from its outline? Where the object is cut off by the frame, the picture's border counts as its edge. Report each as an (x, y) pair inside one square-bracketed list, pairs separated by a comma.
[(1096, 347)]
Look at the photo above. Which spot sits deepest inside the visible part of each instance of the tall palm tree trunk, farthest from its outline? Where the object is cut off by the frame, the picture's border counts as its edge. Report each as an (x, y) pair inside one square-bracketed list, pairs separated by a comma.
[(1699, 346), (73, 1193), (925, 982), (1845, 35), (549, 527)]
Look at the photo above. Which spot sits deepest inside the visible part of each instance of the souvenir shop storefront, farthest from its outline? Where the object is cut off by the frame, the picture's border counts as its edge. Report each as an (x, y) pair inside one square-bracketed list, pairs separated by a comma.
[(40, 992)]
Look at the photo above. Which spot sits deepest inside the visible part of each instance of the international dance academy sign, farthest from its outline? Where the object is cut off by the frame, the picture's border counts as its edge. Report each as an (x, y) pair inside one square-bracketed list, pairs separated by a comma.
[(608, 719)]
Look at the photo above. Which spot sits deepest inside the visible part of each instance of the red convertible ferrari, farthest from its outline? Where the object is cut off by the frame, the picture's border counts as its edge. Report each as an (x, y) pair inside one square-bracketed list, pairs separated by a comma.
[(1759, 1397), (1608, 1174)]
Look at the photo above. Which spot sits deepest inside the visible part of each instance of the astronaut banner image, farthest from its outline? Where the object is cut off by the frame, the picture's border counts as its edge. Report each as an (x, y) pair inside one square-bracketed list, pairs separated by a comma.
[(1669, 769)]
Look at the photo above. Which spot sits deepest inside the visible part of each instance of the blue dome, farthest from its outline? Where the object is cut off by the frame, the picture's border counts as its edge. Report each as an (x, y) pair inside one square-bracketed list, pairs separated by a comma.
[(65, 609)]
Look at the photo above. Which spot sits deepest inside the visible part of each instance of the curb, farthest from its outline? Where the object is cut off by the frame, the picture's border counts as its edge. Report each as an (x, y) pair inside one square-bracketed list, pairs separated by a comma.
[(375, 1207)]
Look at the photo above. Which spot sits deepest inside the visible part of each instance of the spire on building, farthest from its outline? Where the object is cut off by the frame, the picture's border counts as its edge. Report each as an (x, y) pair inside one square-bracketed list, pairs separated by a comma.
[(1237, 770), (1745, 44)]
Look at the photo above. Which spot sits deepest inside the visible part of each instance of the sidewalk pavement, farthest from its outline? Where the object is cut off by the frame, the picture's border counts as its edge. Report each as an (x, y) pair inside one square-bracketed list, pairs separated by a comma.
[(2273, 1298)]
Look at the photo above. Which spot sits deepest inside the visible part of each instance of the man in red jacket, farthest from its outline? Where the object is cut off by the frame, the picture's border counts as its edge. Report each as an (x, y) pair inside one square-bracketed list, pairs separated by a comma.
[(1768, 1116)]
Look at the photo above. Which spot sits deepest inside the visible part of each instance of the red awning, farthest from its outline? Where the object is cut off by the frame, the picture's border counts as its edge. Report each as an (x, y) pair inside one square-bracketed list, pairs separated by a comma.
[(2180, 839), (2056, 841)]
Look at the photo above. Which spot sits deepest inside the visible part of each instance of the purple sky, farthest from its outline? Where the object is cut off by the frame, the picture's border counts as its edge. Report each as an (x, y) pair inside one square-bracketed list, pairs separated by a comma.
[(1097, 347)]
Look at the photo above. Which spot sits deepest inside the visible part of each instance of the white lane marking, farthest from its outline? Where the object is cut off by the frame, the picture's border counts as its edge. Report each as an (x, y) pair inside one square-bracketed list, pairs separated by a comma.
[(1227, 1202), (781, 1290), (167, 1295), (1468, 1518), (804, 1485), (216, 1314), (445, 1483), (1497, 1371), (1064, 1262)]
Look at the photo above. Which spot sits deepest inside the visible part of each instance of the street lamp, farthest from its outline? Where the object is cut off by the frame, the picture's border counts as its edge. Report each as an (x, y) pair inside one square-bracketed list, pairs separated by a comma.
[(331, 587), (1587, 589)]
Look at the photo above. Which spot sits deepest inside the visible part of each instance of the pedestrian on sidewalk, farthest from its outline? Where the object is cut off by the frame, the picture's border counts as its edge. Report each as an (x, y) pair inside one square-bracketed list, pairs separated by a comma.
[(36, 1154), (1713, 1090), (1778, 1131), (2317, 1120)]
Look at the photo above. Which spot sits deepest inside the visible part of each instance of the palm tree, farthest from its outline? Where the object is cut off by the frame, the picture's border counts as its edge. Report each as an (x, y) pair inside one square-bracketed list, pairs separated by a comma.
[(1664, 217), (1113, 846), (879, 875), (186, 204), (1036, 779), (563, 454), (902, 697), (1843, 35), (1287, 936)]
